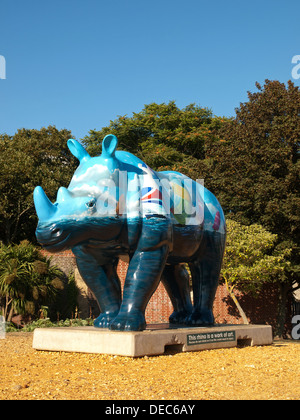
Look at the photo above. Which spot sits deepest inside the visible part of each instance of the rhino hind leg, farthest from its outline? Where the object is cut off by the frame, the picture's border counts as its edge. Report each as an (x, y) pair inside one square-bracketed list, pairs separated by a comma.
[(205, 271), (176, 280)]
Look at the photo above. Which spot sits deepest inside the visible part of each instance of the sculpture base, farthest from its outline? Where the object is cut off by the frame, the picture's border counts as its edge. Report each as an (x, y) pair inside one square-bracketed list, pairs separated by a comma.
[(156, 339)]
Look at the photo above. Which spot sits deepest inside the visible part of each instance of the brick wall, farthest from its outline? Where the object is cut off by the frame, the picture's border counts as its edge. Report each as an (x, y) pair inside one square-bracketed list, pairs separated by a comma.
[(66, 260), (260, 310)]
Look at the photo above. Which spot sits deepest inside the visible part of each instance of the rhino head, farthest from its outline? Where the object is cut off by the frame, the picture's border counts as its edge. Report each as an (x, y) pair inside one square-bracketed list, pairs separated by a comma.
[(87, 208)]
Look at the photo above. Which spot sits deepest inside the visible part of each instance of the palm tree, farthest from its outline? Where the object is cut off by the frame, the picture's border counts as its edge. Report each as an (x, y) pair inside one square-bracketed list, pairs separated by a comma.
[(27, 280)]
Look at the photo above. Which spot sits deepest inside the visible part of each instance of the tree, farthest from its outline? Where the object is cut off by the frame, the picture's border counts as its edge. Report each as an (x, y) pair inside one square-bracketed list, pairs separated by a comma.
[(162, 135), (255, 170), (27, 159), (27, 281), (251, 260)]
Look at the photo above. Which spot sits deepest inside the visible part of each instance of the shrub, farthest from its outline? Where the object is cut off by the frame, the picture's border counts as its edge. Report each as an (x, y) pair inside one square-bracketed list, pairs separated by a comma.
[(27, 280)]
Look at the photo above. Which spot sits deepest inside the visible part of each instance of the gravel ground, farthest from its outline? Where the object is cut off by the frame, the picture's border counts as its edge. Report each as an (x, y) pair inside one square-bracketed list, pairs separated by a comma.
[(262, 372)]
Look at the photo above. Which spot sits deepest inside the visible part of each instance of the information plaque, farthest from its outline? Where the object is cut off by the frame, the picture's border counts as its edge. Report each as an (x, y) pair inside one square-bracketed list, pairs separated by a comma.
[(211, 337)]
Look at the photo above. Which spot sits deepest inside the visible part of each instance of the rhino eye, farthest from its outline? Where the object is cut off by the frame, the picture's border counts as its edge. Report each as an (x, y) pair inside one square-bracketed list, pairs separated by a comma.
[(91, 204)]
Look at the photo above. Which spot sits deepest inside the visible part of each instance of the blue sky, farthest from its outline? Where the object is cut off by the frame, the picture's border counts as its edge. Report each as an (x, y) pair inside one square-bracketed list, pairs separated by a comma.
[(78, 64)]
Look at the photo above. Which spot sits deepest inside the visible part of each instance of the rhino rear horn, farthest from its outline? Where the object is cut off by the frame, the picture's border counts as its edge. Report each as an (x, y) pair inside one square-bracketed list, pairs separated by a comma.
[(43, 206), (63, 194)]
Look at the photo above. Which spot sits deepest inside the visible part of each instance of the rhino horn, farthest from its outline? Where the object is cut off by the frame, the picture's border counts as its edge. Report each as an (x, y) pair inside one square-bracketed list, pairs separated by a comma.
[(43, 206), (63, 195)]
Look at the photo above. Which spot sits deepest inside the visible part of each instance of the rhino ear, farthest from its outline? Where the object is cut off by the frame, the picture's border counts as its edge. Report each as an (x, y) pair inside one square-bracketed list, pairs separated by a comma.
[(109, 145), (78, 150)]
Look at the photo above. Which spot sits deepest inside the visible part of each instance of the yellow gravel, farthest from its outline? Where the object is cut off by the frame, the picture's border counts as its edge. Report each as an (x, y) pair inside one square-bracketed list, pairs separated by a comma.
[(263, 372)]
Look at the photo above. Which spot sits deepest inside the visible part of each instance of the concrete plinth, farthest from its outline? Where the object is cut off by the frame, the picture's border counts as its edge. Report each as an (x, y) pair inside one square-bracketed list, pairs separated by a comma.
[(156, 339)]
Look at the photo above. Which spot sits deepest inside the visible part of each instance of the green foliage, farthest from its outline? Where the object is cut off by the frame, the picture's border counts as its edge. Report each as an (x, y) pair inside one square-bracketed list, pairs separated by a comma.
[(27, 159), (27, 280), (164, 136), (256, 165), (65, 303), (47, 323), (251, 260)]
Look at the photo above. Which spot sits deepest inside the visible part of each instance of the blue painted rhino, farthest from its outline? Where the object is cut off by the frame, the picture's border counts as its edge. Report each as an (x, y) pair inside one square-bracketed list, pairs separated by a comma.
[(115, 205)]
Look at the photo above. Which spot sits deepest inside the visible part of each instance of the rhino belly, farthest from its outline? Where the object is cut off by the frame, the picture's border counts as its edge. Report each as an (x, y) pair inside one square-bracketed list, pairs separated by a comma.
[(186, 243)]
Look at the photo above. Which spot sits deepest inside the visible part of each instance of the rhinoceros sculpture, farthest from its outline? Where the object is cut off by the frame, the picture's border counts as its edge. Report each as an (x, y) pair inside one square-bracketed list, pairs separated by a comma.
[(115, 205)]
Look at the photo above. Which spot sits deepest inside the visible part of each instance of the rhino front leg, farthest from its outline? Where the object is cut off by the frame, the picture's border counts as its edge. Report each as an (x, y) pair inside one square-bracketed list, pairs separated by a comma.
[(103, 281), (143, 276)]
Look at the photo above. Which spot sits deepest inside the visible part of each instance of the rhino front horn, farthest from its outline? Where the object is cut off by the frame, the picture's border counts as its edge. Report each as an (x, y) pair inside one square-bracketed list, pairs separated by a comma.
[(43, 206)]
